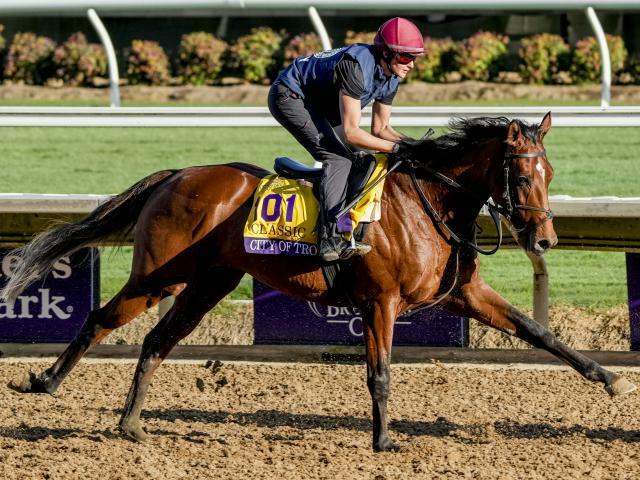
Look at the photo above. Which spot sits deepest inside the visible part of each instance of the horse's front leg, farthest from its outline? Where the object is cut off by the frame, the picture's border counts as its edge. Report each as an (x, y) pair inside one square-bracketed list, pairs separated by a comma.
[(477, 300), (378, 337)]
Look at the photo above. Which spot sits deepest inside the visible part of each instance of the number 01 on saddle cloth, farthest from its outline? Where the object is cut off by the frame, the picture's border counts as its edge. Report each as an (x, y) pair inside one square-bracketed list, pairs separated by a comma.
[(284, 215)]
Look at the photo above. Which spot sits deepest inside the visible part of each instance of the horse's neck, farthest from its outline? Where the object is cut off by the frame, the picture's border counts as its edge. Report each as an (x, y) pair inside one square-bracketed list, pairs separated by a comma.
[(478, 168), (476, 171)]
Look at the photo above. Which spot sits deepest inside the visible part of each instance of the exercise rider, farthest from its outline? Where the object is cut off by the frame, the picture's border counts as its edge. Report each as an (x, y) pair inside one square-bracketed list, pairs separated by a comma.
[(316, 94)]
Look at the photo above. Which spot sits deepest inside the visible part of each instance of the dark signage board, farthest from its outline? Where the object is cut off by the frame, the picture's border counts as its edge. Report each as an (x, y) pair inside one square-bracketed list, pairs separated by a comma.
[(53, 309), (633, 289), (279, 319)]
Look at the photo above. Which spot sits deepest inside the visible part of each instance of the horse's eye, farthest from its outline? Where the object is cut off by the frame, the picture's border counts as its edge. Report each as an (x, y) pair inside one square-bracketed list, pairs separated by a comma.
[(524, 181)]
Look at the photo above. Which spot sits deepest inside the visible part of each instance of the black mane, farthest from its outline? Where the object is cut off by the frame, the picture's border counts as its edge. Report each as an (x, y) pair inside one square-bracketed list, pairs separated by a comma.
[(463, 134)]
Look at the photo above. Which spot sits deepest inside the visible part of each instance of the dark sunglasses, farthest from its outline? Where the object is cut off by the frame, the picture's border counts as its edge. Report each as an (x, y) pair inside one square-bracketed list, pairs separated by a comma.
[(405, 58)]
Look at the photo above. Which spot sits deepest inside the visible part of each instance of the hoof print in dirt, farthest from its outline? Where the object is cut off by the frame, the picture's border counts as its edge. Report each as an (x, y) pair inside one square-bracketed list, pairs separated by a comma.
[(221, 383), (215, 366), (200, 384)]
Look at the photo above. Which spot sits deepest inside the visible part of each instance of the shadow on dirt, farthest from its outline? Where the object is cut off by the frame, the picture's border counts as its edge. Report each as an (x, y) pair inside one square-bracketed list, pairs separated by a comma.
[(36, 433), (545, 430), (441, 427)]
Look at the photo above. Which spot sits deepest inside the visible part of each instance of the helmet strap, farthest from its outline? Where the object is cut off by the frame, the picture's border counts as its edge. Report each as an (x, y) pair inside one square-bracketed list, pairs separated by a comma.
[(386, 55)]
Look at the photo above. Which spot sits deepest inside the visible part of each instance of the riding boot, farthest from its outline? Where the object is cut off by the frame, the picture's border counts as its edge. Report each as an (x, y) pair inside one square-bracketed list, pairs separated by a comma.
[(331, 244)]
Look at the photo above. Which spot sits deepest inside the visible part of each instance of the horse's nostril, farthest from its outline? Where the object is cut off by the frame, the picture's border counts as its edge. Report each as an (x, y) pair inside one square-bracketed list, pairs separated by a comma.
[(544, 244)]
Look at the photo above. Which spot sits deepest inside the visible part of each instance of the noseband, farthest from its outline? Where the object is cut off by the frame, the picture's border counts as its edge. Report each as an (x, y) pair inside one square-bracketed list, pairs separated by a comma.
[(495, 211)]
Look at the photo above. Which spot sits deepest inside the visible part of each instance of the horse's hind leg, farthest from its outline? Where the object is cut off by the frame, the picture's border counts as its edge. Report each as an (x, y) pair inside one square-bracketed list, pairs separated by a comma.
[(481, 302), (122, 308), (200, 296)]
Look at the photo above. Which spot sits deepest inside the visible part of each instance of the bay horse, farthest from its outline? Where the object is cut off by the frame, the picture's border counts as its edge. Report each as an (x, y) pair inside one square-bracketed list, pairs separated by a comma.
[(189, 243)]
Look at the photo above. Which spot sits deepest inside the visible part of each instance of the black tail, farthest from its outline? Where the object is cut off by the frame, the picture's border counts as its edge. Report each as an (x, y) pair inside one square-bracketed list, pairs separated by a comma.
[(114, 218)]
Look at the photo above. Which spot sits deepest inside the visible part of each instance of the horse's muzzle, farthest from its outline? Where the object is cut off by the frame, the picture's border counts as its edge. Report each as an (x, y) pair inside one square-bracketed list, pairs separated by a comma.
[(539, 243), (542, 246)]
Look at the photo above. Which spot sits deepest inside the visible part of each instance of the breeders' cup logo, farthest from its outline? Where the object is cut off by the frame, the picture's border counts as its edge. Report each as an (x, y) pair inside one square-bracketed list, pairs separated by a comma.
[(39, 303), (352, 317)]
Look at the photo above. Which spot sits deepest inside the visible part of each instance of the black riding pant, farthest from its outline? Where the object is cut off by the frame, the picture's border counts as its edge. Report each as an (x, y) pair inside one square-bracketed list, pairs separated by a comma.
[(315, 133)]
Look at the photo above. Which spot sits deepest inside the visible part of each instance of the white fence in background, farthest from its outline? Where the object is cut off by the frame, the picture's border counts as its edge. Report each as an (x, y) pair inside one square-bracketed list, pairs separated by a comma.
[(260, 116), (213, 7)]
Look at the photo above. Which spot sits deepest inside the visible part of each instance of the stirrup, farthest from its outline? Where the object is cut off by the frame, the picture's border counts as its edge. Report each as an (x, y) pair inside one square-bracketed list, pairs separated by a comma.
[(354, 249), (332, 253)]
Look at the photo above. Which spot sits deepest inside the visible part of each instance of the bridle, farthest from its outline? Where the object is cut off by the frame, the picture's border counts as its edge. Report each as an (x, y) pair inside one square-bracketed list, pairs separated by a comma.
[(495, 210), (509, 205)]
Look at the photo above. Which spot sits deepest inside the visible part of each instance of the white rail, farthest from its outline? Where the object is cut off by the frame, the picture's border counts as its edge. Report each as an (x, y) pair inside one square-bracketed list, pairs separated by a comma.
[(260, 116), (562, 205), (31, 7), (49, 202)]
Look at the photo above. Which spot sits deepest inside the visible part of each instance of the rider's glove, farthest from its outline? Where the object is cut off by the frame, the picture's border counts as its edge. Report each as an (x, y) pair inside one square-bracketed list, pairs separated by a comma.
[(401, 151)]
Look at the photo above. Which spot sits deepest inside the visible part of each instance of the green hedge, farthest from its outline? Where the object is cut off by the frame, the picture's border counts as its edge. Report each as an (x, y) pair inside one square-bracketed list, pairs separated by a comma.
[(200, 59), (203, 59), (78, 62)]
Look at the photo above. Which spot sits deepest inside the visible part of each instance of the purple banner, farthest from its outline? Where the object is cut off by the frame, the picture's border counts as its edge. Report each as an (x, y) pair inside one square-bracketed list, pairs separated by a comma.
[(278, 247), (53, 309), (279, 319), (633, 290)]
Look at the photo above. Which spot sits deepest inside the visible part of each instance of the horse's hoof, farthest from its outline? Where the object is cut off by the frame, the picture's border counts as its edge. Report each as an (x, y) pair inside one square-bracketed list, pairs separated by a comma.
[(620, 386), (29, 383), (133, 431), (386, 445)]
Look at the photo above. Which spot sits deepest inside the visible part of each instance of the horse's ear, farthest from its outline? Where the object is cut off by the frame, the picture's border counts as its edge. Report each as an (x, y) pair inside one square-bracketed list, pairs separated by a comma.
[(514, 133), (544, 126)]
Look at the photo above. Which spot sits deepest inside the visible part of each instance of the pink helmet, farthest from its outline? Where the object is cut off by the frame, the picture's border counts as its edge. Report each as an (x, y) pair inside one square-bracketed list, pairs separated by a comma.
[(399, 35)]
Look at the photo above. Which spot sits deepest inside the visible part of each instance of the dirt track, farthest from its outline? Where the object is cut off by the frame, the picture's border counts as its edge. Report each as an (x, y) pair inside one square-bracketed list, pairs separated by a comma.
[(313, 421)]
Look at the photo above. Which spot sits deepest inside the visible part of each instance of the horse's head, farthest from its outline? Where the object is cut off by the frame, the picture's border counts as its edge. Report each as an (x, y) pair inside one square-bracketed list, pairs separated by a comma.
[(525, 190)]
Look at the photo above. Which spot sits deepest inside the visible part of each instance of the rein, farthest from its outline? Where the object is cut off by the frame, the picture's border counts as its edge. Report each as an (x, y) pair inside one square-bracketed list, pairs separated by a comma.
[(494, 210)]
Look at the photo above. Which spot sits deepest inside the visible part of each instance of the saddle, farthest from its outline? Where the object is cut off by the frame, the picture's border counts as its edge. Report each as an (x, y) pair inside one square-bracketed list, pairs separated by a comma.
[(283, 218), (361, 170)]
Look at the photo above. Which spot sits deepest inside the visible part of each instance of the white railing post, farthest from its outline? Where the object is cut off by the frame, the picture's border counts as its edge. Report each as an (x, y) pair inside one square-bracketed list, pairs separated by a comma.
[(319, 26), (114, 78), (605, 99), (540, 290), (223, 26)]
